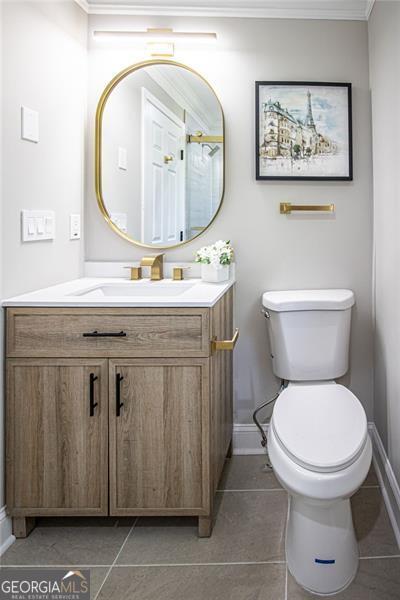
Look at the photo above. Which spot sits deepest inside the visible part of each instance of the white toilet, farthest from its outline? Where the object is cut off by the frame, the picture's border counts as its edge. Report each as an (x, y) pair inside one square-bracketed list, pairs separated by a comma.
[(318, 439)]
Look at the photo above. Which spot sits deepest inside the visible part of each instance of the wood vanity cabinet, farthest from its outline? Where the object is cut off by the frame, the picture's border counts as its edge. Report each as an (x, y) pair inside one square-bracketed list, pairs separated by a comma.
[(137, 423)]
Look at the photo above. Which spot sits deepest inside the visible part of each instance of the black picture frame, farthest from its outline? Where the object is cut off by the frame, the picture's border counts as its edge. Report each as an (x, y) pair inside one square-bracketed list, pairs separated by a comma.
[(308, 84)]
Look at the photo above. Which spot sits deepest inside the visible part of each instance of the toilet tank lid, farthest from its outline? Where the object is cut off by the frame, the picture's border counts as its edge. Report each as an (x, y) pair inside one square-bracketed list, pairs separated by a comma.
[(308, 300)]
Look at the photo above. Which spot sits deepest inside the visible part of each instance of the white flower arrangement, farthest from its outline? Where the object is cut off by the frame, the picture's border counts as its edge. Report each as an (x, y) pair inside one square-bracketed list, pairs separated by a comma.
[(219, 254)]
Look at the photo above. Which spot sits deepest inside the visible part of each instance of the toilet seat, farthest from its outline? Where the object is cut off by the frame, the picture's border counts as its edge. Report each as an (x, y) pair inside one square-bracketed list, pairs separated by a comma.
[(322, 427)]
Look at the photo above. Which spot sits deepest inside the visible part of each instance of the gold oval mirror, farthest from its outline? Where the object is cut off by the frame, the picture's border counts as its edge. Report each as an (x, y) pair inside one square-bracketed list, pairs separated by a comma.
[(159, 154)]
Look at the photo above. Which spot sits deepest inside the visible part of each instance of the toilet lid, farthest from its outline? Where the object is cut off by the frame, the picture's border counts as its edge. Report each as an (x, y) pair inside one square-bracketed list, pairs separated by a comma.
[(323, 427)]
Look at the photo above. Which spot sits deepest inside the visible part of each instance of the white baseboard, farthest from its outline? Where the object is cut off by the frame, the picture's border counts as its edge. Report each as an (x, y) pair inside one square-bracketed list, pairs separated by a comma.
[(387, 480), (247, 439), (6, 536)]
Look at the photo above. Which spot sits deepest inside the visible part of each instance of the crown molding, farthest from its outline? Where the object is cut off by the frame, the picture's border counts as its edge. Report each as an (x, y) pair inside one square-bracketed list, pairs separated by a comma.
[(359, 11), (83, 4), (368, 9)]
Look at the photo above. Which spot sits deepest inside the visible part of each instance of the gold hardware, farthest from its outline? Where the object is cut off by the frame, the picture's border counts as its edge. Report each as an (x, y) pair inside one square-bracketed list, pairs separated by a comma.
[(168, 158), (99, 146), (160, 49), (155, 262), (136, 273), (286, 208), (224, 344), (160, 30), (203, 139), (197, 228), (177, 273)]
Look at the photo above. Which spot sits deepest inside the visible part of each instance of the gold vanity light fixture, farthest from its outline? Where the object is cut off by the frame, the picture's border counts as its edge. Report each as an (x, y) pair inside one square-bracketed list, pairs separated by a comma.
[(99, 149), (159, 41), (286, 208), (157, 35)]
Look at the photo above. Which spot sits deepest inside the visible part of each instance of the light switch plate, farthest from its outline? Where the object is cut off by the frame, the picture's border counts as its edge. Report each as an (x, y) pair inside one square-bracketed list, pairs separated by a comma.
[(74, 227), (29, 124), (37, 225)]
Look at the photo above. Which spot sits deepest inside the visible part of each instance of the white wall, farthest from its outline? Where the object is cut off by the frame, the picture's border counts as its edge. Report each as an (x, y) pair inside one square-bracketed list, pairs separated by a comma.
[(43, 54), (5, 529), (384, 48), (44, 45), (272, 251)]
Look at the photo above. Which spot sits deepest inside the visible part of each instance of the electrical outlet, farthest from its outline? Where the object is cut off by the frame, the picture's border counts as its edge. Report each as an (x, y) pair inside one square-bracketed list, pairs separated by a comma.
[(75, 227)]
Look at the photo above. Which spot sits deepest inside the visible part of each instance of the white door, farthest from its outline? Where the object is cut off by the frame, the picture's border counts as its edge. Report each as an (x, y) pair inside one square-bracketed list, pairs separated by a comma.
[(163, 173)]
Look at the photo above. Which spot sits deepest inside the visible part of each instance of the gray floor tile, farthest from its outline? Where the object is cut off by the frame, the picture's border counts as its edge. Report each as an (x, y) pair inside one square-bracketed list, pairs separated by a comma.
[(371, 478), (247, 473), (375, 580), (249, 526), (62, 545), (374, 531), (239, 582), (97, 575)]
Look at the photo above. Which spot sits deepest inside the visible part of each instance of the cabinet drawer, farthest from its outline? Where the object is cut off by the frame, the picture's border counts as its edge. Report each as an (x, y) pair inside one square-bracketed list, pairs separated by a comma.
[(130, 332)]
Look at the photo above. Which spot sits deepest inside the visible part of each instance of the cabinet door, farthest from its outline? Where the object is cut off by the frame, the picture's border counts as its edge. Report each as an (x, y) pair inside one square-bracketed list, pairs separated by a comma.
[(57, 413), (159, 434)]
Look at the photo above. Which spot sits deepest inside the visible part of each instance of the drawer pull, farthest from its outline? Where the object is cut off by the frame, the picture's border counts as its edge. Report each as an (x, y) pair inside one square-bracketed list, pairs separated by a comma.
[(92, 403), (96, 334), (225, 344), (118, 402)]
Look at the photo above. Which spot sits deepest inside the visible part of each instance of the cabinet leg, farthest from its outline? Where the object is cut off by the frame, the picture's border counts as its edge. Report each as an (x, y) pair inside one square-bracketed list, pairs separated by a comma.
[(229, 453), (22, 526), (205, 526)]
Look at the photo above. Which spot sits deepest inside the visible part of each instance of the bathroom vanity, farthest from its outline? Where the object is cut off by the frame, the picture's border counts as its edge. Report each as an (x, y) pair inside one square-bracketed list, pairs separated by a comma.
[(118, 402)]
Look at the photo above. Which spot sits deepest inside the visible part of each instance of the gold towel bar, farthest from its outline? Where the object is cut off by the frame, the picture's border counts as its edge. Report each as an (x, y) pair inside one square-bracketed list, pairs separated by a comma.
[(204, 139), (286, 208)]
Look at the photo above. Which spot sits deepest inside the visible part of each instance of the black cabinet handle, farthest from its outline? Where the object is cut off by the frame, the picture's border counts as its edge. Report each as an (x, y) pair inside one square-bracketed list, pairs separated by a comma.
[(92, 403), (118, 402), (96, 334)]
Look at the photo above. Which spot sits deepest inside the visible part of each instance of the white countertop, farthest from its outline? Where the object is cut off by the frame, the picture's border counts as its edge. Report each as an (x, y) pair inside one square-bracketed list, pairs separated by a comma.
[(68, 294)]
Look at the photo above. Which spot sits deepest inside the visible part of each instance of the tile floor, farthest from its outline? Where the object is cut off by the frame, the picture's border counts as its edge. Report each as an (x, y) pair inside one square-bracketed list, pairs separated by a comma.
[(163, 559)]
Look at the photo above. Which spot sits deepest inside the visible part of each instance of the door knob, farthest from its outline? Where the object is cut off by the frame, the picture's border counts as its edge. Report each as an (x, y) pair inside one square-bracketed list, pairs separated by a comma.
[(168, 158)]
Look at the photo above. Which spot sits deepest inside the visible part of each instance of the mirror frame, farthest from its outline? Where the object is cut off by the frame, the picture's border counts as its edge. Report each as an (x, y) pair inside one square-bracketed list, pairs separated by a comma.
[(99, 142)]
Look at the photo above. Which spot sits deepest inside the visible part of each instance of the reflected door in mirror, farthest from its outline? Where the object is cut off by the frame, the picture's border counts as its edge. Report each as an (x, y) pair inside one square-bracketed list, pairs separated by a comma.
[(163, 207)]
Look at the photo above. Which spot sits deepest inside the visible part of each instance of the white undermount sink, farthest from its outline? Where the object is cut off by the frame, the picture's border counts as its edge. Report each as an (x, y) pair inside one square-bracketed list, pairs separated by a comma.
[(119, 292), (136, 289)]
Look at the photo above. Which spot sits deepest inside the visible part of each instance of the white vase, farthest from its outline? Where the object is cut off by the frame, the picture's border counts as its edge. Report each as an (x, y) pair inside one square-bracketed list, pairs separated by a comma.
[(211, 274)]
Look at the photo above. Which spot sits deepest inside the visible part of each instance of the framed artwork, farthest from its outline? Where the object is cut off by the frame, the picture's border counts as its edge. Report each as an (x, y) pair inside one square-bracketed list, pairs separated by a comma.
[(303, 131)]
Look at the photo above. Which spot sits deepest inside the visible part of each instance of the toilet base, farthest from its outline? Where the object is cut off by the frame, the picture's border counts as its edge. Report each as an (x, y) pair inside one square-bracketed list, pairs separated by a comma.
[(321, 547)]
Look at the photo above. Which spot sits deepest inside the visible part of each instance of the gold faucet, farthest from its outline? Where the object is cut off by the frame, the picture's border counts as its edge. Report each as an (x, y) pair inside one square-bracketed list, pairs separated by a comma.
[(155, 262)]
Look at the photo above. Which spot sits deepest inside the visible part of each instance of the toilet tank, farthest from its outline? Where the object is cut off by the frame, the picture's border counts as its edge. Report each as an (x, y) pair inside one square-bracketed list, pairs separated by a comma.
[(309, 332)]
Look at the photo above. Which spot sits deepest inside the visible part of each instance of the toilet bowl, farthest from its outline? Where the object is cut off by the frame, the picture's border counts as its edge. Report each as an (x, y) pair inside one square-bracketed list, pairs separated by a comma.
[(318, 439), (321, 456)]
